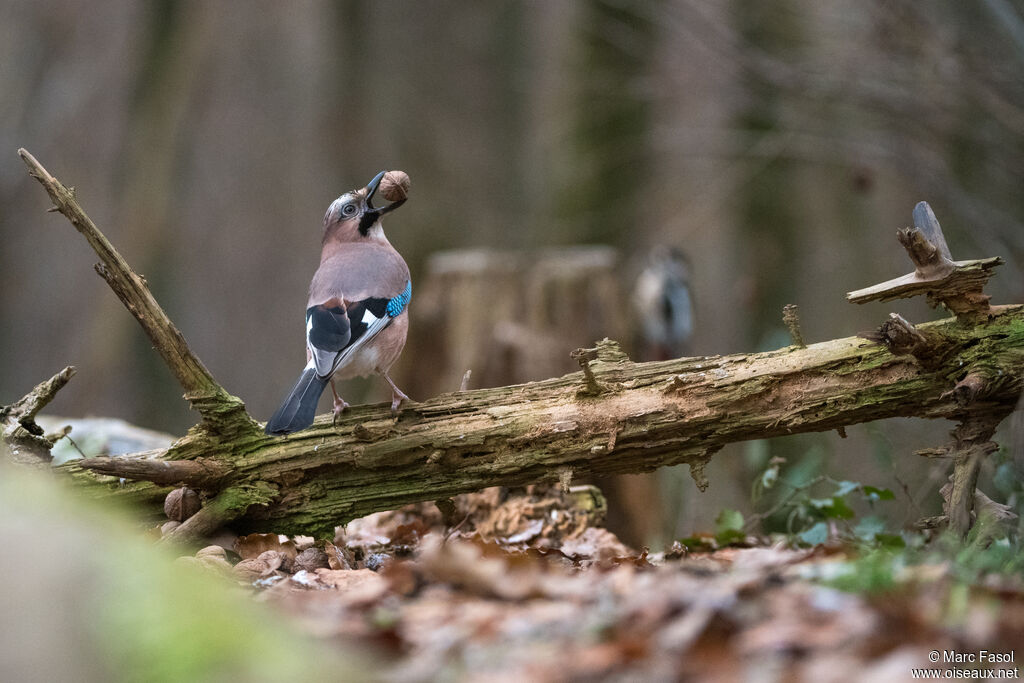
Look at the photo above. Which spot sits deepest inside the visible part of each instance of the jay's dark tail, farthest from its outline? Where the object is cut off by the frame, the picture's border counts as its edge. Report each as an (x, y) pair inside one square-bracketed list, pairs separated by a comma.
[(299, 409)]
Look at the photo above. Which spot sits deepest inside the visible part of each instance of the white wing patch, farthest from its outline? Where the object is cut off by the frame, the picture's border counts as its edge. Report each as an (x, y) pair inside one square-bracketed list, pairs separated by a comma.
[(369, 318)]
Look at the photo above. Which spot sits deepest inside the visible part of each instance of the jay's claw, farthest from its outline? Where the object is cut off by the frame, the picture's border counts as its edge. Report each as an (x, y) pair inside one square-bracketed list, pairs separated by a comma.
[(339, 404), (339, 407), (397, 395)]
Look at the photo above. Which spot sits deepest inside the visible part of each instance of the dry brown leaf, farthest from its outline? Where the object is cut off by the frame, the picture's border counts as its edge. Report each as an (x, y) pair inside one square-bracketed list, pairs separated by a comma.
[(401, 577), (337, 558), (595, 544), (463, 564), (360, 586)]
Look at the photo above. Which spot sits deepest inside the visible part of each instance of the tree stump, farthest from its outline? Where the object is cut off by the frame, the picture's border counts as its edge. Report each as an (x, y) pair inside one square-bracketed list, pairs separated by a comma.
[(511, 317)]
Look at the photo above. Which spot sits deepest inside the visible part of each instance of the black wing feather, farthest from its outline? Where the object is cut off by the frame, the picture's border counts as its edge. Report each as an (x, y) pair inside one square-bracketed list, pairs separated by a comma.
[(329, 328)]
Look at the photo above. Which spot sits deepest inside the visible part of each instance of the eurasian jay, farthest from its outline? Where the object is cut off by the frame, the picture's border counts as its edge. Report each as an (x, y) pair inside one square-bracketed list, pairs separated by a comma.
[(662, 305), (356, 320)]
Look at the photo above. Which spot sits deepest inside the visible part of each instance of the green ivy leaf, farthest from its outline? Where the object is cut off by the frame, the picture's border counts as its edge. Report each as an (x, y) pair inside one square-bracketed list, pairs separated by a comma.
[(873, 493), (728, 520), (729, 527), (832, 508), (816, 535), (730, 536), (869, 527), (844, 487), (890, 541)]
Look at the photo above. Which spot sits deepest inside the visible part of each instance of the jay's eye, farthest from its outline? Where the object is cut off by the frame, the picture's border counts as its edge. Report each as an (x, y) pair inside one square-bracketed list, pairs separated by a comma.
[(349, 209)]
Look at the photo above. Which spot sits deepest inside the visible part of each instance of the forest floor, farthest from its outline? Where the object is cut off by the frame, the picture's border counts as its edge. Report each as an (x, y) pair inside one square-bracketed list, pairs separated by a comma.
[(525, 585)]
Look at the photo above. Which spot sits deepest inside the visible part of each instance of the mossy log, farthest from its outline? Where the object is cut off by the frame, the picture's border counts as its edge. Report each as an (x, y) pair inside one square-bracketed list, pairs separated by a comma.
[(613, 417)]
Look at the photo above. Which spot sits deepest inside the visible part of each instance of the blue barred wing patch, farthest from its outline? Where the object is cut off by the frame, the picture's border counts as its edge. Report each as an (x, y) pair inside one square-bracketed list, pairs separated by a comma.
[(397, 304)]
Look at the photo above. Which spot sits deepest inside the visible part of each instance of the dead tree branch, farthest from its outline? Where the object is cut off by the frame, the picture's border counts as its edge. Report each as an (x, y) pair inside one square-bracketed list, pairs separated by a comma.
[(201, 473), (222, 413)]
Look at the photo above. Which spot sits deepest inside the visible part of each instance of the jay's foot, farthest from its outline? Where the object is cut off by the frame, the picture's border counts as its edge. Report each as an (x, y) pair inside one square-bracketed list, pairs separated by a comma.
[(396, 400), (339, 407), (339, 404), (397, 395)]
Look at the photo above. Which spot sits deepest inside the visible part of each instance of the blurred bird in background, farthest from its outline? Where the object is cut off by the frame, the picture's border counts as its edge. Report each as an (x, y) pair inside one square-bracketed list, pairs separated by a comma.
[(662, 305), (356, 322)]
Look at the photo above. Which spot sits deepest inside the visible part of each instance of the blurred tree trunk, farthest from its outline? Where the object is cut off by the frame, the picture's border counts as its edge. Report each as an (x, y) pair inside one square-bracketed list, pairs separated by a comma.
[(178, 39), (768, 202), (604, 186)]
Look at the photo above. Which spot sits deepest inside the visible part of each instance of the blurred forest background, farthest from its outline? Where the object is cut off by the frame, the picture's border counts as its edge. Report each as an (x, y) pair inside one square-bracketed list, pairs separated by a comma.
[(779, 145)]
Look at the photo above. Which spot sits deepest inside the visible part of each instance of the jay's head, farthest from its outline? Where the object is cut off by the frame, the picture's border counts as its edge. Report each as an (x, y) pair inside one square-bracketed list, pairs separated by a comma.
[(353, 217)]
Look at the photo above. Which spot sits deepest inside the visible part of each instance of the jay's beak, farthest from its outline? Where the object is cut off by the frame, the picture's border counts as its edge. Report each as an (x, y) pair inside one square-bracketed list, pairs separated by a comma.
[(371, 189)]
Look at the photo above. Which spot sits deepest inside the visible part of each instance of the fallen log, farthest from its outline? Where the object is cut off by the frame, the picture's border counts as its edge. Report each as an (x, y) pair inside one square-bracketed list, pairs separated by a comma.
[(614, 416)]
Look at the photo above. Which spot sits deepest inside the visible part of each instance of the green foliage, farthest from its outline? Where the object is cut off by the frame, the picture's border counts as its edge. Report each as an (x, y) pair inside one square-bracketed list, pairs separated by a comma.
[(813, 519), (808, 508), (830, 508), (874, 572), (815, 535), (729, 530), (874, 494), (886, 567), (729, 527), (818, 509)]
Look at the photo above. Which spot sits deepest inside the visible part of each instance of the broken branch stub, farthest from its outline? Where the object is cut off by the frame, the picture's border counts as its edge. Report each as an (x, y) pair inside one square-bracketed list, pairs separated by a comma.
[(200, 473), (791, 317), (957, 285), (27, 442), (926, 222)]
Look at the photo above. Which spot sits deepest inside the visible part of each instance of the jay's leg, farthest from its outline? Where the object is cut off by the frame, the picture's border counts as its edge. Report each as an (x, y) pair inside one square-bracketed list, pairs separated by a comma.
[(397, 395), (339, 402)]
